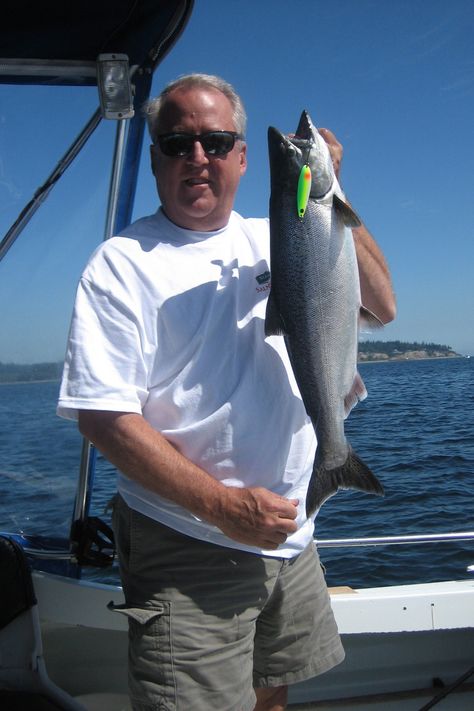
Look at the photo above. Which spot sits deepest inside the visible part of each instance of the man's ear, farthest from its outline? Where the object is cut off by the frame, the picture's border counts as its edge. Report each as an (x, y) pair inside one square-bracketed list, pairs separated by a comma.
[(243, 159), (154, 158)]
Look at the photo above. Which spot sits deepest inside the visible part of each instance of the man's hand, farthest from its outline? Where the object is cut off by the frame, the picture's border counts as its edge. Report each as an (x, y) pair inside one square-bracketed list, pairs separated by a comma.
[(257, 517)]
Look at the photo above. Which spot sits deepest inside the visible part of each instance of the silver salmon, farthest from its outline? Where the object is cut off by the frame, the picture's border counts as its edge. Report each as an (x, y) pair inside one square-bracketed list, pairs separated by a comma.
[(315, 302)]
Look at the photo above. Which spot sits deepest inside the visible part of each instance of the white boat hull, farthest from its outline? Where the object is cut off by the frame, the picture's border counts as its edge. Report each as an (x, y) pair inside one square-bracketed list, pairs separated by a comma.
[(398, 640)]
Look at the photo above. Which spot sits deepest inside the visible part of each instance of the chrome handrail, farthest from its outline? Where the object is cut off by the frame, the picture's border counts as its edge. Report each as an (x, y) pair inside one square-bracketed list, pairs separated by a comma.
[(87, 463), (394, 540), (37, 552)]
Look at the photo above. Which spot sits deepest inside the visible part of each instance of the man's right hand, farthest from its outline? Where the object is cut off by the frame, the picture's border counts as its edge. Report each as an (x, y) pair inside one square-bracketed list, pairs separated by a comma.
[(257, 517)]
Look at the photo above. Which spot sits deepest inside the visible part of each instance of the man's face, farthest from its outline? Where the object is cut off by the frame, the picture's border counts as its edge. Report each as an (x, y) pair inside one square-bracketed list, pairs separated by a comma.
[(197, 191)]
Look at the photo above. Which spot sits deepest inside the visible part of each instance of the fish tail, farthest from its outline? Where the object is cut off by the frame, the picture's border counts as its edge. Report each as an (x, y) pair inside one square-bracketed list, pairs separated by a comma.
[(353, 474)]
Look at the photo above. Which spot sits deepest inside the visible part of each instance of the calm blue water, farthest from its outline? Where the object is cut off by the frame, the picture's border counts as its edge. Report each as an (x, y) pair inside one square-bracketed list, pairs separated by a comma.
[(415, 430)]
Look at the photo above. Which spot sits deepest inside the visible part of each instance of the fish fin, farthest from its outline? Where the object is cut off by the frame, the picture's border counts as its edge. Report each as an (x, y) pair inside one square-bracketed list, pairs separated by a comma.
[(353, 474), (274, 325), (368, 320), (346, 212), (357, 393)]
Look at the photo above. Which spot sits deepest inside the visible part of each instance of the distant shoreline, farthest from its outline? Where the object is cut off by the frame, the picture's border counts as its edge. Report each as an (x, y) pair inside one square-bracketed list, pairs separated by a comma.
[(25, 382), (404, 359), (387, 359)]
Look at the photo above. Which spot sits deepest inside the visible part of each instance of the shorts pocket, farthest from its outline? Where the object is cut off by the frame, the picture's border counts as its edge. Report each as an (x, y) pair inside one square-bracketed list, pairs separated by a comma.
[(150, 661)]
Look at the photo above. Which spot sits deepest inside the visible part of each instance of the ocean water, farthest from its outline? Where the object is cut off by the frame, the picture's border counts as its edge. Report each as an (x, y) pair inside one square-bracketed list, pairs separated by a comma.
[(415, 431)]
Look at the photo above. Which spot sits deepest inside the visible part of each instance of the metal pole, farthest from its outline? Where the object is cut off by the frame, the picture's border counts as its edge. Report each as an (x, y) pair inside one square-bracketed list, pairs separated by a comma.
[(394, 540), (87, 465), (115, 179), (88, 455), (42, 193), (131, 162)]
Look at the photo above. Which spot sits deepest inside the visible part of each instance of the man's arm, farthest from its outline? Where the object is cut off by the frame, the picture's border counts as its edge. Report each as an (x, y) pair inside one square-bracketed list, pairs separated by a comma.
[(253, 516), (375, 283)]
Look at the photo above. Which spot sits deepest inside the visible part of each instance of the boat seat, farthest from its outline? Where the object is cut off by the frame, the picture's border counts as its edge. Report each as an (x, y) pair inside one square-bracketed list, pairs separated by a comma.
[(24, 682)]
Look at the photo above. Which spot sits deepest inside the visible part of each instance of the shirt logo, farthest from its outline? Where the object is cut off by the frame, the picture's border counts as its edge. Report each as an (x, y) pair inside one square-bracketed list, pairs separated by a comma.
[(263, 278)]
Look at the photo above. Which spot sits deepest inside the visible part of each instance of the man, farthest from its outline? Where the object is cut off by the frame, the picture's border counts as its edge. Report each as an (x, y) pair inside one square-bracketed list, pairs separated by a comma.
[(172, 379)]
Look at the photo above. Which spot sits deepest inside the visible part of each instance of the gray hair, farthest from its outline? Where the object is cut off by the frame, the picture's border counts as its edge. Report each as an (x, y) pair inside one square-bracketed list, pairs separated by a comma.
[(152, 108)]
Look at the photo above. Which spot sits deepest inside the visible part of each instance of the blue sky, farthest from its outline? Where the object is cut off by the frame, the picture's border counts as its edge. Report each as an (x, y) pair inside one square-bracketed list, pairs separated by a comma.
[(394, 79)]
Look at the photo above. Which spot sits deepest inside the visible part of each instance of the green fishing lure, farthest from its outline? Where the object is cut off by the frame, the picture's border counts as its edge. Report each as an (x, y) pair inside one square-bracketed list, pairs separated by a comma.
[(303, 191)]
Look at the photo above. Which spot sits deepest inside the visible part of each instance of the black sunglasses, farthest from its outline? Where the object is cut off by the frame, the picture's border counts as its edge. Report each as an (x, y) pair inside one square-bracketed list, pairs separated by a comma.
[(214, 143)]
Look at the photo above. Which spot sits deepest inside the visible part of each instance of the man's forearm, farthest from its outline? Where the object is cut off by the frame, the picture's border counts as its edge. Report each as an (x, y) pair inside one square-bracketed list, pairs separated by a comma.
[(252, 516), (144, 455), (375, 283)]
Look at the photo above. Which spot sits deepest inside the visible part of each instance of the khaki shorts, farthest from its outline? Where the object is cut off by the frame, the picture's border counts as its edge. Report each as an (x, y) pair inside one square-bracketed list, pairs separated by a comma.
[(208, 623)]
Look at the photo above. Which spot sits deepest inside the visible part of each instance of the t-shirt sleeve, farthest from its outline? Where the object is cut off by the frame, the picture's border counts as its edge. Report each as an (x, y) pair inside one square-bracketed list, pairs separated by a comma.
[(105, 366)]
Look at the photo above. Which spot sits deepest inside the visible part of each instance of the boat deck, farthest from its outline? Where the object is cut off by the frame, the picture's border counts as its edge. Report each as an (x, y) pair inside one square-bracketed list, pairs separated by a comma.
[(419, 700)]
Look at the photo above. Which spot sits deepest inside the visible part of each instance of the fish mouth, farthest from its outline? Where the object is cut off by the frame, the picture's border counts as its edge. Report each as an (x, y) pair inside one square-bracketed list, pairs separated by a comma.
[(275, 136), (299, 140), (305, 132), (305, 127), (279, 142)]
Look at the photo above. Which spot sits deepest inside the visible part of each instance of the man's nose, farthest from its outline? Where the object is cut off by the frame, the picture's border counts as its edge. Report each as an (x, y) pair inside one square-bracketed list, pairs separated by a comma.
[(198, 155)]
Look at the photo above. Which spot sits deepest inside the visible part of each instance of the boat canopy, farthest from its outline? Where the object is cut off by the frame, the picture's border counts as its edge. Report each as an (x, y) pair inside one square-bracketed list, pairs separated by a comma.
[(57, 42)]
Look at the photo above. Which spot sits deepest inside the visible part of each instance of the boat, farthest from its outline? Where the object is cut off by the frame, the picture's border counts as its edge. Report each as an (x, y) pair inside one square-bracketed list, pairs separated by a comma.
[(407, 646)]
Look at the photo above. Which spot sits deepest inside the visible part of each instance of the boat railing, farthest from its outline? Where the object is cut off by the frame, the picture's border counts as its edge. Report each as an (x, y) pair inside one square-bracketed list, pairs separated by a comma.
[(395, 540), (45, 551)]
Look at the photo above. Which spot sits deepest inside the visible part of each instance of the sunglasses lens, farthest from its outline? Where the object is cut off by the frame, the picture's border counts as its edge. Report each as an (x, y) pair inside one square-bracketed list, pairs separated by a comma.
[(214, 143), (217, 143), (177, 144)]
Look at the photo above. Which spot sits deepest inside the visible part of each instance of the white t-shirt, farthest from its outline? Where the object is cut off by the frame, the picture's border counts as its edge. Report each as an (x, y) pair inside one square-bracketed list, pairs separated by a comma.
[(169, 323)]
